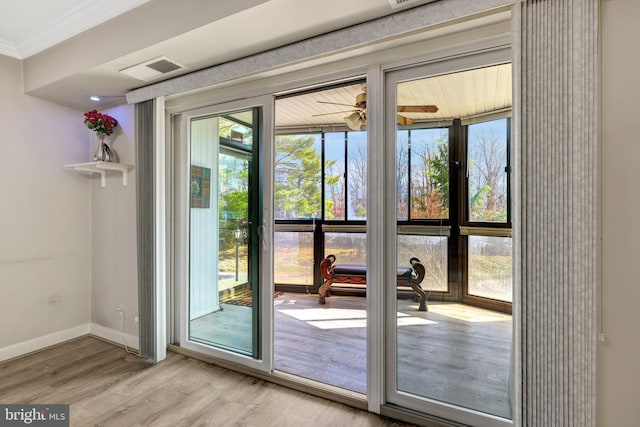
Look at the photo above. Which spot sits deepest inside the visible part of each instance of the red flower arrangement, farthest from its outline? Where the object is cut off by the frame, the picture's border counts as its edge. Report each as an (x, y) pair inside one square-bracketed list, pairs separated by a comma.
[(102, 124)]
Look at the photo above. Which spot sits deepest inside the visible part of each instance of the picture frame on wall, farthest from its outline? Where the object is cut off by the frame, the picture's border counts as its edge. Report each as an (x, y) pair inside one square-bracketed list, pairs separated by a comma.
[(200, 185)]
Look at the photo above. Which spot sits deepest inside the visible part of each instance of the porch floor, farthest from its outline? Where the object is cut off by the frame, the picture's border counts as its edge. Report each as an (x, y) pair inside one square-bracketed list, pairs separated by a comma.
[(453, 353)]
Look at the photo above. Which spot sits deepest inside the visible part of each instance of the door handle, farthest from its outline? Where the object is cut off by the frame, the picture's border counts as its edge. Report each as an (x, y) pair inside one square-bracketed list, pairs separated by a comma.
[(262, 235)]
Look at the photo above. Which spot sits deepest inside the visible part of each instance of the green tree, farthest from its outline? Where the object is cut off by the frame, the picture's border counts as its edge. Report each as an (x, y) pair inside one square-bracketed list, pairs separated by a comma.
[(334, 191), (439, 173), (233, 197), (430, 181), (297, 177)]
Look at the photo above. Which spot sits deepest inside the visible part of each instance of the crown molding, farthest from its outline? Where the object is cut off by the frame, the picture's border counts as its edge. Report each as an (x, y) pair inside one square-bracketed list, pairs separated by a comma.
[(86, 15), (9, 49)]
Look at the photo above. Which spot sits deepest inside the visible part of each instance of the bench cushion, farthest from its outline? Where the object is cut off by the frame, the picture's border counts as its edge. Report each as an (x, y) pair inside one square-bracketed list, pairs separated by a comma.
[(404, 272), (361, 270), (350, 270)]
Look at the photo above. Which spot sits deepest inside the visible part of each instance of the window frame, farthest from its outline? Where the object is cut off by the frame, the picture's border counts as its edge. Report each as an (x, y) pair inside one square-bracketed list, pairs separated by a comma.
[(481, 228), (320, 221)]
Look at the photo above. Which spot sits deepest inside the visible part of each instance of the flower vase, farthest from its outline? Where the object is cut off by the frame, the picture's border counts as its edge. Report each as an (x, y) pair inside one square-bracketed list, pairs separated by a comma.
[(103, 151)]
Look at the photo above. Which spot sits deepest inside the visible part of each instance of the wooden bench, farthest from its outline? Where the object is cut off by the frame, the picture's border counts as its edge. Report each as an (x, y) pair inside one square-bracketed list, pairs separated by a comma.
[(357, 274)]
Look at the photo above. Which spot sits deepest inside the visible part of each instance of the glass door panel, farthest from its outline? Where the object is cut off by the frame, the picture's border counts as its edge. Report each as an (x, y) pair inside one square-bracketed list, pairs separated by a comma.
[(320, 209), (452, 360), (223, 285)]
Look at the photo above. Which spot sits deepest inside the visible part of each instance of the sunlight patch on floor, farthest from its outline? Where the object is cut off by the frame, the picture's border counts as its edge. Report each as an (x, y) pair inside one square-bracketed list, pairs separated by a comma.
[(338, 318), (468, 313), (310, 314), (413, 321), (339, 324)]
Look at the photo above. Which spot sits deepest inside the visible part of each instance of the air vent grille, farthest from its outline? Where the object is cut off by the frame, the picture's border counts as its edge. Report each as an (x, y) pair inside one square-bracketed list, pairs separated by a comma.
[(152, 69), (163, 66)]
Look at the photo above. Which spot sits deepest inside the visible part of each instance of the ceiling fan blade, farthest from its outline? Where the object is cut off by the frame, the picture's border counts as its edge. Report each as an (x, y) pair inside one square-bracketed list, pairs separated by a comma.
[(335, 112), (417, 109), (402, 120), (337, 103)]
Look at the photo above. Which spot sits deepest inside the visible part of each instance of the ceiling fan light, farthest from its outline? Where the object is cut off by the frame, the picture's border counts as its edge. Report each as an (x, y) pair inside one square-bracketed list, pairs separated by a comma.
[(353, 121)]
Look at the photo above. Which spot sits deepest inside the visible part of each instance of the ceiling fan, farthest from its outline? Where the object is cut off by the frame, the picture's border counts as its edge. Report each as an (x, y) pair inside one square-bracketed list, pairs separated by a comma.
[(358, 116)]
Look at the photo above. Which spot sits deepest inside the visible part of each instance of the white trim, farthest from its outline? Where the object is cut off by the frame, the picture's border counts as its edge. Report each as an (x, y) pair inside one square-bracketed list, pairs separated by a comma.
[(75, 21), (375, 243), (181, 237), (113, 335), (266, 278), (36, 344), (9, 49), (160, 231), (39, 343)]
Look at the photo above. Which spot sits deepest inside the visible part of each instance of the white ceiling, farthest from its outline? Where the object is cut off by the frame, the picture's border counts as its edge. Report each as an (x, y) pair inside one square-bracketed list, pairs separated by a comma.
[(31, 26)]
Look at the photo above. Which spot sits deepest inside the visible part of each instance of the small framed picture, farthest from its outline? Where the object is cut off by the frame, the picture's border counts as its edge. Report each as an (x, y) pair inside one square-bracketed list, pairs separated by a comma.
[(200, 187)]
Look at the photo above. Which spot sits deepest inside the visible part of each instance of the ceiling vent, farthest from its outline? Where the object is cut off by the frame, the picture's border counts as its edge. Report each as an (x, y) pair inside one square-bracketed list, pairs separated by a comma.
[(152, 69), (396, 4)]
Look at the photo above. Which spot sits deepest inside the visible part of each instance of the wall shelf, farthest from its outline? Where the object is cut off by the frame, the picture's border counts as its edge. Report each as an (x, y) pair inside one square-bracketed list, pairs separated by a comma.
[(102, 168)]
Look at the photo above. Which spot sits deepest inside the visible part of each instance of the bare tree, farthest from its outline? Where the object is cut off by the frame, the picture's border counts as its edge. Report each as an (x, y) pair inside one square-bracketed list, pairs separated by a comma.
[(357, 181), (487, 178), (402, 183), (430, 179)]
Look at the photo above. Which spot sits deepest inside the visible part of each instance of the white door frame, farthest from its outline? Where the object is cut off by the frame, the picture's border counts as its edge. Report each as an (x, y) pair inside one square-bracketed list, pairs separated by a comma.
[(389, 232), (181, 166)]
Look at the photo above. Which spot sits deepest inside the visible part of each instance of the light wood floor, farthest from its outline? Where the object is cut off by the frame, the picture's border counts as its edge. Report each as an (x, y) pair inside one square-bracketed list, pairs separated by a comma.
[(105, 386), (453, 353)]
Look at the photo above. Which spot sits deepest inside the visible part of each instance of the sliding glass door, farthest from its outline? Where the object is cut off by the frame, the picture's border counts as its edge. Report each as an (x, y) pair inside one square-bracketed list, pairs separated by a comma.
[(257, 220), (222, 270), (219, 176), (448, 172)]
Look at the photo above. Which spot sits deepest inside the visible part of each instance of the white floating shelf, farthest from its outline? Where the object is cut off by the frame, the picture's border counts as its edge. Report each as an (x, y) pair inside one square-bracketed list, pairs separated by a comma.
[(102, 168)]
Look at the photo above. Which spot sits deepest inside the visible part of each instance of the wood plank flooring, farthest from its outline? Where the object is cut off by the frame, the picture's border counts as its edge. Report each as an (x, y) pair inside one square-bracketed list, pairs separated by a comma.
[(453, 353), (323, 343), (105, 386)]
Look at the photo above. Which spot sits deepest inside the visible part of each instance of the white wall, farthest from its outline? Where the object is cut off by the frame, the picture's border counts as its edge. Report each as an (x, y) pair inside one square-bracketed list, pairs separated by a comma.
[(114, 241), (618, 403), (203, 278), (45, 220), (67, 245)]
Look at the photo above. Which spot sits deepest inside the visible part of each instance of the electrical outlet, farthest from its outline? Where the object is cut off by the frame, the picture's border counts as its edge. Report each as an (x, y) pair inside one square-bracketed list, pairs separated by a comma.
[(136, 319)]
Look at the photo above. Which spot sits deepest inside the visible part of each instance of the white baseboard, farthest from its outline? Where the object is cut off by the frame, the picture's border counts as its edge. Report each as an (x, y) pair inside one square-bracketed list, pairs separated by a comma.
[(35, 344), (132, 341), (25, 347)]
